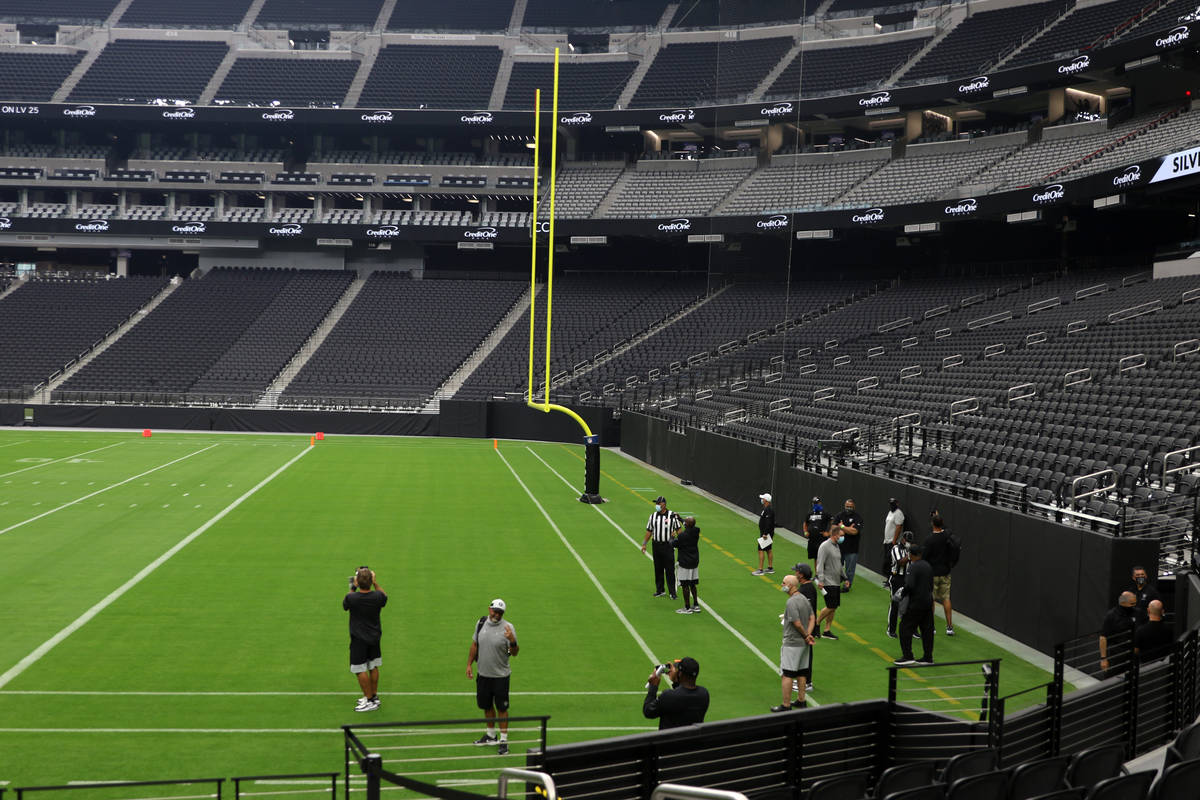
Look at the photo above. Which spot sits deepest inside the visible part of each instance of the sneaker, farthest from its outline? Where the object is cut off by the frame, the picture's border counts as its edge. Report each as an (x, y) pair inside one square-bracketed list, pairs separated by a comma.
[(770, 570), (904, 662), (660, 594), (758, 572), (502, 750), (674, 597), (924, 662), (891, 634), (485, 739), (949, 631), (370, 705), (696, 609), (362, 704), (777, 709), (828, 635), (683, 611)]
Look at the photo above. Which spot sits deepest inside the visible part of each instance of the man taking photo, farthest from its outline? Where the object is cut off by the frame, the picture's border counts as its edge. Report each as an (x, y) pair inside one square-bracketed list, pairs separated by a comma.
[(684, 704), (364, 602)]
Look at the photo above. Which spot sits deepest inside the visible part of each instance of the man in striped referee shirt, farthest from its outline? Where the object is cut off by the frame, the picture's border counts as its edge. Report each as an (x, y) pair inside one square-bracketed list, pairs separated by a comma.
[(662, 524)]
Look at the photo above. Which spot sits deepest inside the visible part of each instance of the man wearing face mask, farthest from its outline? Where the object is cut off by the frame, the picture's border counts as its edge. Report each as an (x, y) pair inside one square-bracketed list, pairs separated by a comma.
[(1116, 634), (829, 580), (661, 527), (848, 525), (1142, 589), (798, 628), (893, 526), (816, 526)]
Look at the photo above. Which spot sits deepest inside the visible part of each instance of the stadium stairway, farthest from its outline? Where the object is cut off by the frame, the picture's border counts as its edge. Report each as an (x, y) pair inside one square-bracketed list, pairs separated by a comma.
[(775, 71), (370, 51), (270, 397), (12, 287), (653, 45), (252, 14), (460, 375), (1016, 52), (518, 14), (218, 77), (944, 29), (86, 359), (92, 46), (385, 16), (117, 12), (500, 87)]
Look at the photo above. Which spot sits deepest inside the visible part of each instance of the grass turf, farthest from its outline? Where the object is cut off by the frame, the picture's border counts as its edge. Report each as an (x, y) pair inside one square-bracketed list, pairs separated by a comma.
[(229, 657)]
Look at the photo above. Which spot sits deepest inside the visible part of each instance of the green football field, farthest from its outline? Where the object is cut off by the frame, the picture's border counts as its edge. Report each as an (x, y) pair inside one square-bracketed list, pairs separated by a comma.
[(170, 606)]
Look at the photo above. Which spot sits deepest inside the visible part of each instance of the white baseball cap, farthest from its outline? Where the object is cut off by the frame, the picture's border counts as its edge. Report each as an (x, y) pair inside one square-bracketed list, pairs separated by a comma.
[(498, 604), (765, 496)]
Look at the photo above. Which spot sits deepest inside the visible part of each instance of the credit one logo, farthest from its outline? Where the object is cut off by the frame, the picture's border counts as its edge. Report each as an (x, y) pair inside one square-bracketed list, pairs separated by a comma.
[(183, 113), (191, 227), (578, 118), (5, 223), (480, 233), (1078, 64), (98, 226), (1129, 176), (378, 116), (383, 232), (675, 225), (777, 110), (682, 115), (1050, 194), (877, 99), (1174, 37), (963, 207), (772, 223), (80, 111), (478, 118), (975, 85), (282, 115), (291, 229), (868, 216)]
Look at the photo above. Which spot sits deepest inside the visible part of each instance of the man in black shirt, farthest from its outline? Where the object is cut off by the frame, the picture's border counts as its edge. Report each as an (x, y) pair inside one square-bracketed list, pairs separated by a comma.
[(816, 527), (685, 704), (766, 535), (364, 601), (916, 608), (687, 546), (850, 524), (939, 553), (1116, 634), (898, 567), (804, 575), (1153, 640), (1143, 589)]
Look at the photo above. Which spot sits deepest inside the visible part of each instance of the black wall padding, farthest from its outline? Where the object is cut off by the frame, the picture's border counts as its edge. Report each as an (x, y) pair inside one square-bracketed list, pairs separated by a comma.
[(1033, 579)]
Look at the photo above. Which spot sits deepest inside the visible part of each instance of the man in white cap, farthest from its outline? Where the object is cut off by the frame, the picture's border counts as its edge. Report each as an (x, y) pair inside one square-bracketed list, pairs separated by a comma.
[(493, 642), (766, 535)]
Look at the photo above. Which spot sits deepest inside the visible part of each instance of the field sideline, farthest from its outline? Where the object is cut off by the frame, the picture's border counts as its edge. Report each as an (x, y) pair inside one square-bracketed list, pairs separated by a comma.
[(171, 606)]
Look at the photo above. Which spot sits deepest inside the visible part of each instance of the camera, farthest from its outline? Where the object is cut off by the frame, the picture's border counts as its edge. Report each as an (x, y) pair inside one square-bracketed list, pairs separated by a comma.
[(353, 578), (660, 670)]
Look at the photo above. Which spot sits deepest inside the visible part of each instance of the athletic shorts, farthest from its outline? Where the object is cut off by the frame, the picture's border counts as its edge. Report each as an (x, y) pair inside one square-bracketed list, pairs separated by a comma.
[(941, 587), (793, 660), (364, 656), (684, 574), (833, 596), (492, 692)]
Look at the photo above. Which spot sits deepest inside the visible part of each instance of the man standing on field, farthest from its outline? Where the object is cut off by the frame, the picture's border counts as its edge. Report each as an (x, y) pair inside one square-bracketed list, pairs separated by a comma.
[(364, 602), (493, 642)]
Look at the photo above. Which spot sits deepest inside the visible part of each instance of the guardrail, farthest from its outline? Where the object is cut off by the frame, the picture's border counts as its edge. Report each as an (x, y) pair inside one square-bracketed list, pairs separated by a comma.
[(783, 404), (952, 361), (866, 383), (1037, 337), (1042, 305), (1184, 348), (875, 352), (1169, 470), (739, 386), (803, 352), (1105, 489), (1077, 376), (993, 350), (990, 319), (1137, 277), (773, 377), (971, 300), (824, 394), (807, 369), (1190, 296), (841, 361), (1140, 310), (967, 405), (1099, 288), (1135, 361), (937, 312), (942, 333), (665, 790), (1078, 326), (902, 322), (1021, 391), (914, 371), (911, 341), (831, 344)]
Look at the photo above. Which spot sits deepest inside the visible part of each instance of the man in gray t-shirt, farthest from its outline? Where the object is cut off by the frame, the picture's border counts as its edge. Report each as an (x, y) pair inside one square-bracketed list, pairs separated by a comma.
[(492, 644), (798, 624)]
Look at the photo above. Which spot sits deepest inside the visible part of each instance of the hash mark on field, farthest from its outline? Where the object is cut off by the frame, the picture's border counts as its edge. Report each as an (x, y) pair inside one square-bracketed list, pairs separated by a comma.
[(133, 505), (35, 483)]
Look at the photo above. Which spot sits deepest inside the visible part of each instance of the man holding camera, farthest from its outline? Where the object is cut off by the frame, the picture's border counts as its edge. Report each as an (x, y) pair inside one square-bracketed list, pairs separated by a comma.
[(493, 642), (683, 704), (364, 602)]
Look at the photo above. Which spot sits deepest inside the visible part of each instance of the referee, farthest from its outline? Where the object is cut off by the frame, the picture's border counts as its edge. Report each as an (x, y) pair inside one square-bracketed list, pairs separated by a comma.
[(662, 524)]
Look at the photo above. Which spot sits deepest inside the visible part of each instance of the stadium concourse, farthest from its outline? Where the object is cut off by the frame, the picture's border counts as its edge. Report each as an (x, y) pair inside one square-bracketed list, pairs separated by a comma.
[(936, 251)]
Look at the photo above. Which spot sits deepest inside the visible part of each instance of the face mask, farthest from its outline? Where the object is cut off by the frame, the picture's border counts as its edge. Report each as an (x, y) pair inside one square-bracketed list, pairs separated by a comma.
[(1128, 610), (783, 589), (841, 539), (1140, 581), (893, 506), (658, 506)]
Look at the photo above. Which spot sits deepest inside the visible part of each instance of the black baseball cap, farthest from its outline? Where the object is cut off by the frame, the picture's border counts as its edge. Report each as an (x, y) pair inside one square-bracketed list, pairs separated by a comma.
[(689, 666), (660, 499), (816, 499), (804, 570)]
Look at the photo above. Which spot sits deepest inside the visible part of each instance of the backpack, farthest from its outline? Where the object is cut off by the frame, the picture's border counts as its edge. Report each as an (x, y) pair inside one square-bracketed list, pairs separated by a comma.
[(953, 550)]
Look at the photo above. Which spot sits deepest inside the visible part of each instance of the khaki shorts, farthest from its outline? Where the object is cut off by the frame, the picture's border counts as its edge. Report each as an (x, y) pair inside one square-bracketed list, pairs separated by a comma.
[(941, 587)]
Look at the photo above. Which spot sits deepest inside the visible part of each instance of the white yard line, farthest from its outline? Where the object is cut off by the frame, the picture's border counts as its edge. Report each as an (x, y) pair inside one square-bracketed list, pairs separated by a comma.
[(583, 564), (13, 444), (59, 460), (711, 612), (31, 659), (101, 491)]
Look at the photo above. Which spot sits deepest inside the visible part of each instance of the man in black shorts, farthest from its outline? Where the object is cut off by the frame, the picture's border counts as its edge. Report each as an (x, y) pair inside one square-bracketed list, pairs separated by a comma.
[(493, 642), (364, 602)]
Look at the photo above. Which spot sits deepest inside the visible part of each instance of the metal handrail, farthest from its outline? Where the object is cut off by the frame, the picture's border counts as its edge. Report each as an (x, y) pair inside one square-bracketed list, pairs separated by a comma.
[(773, 377), (910, 372), (937, 312), (1099, 288), (1134, 361), (529, 776), (990, 319), (1012, 389), (1037, 337), (1077, 376), (664, 790), (875, 352), (903, 322), (824, 394), (830, 344), (1042, 305), (783, 404), (1190, 296), (952, 361), (997, 349), (911, 341), (1182, 467), (1075, 496), (942, 333), (964, 406), (1140, 310), (1078, 326), (867, 383), (841, 361), (1176, 352), (807, 369)]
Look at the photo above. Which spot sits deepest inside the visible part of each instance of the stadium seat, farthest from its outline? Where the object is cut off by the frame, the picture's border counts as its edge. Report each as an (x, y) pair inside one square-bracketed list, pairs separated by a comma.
[(933, 791), (965, 765), (991, 785), (1185, 747), (1035, 778), (1124, 787), (905, 776), (1180, 781), (1089, 767), (843, 787)]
